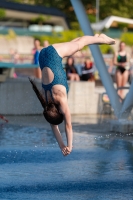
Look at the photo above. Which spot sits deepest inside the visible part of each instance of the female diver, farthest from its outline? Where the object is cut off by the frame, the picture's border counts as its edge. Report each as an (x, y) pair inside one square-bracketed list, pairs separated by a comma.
[(54, 84)]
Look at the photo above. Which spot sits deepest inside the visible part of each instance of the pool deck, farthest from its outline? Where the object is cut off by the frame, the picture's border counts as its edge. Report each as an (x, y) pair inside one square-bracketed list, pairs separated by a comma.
[(18, 98)]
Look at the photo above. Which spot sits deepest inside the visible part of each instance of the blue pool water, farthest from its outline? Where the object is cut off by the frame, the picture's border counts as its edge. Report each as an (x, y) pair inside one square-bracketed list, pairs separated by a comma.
[(32, 166)]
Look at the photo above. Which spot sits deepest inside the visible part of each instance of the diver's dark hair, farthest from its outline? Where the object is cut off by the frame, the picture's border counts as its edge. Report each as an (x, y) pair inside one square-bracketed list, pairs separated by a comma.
[(51, 110)]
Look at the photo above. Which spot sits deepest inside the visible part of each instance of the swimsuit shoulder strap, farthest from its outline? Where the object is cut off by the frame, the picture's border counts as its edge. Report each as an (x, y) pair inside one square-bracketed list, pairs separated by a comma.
[(47, 96)]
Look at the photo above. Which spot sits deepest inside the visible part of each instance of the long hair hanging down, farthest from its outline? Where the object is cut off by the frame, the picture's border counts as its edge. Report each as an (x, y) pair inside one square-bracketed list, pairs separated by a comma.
[(38, 93), (51, 110)]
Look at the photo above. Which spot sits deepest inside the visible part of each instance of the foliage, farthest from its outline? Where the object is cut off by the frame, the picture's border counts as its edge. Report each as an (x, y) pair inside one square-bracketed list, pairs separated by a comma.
[(40, 19), (64, 36), (75, 26), (105, 49), (92, 18), (2, 13), (17, 1), (122, 25), (11, 35), (127, 38), (122, 8)]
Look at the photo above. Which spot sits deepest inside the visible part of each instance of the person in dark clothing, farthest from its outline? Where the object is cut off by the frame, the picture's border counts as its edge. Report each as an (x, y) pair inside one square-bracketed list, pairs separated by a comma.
[(88, 71), (71, 71)]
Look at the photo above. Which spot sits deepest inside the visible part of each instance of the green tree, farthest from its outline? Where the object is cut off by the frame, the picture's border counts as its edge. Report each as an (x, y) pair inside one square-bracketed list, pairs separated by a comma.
[(122, 8), (64, 6), (2, 13), (39, 20), (127, 38)]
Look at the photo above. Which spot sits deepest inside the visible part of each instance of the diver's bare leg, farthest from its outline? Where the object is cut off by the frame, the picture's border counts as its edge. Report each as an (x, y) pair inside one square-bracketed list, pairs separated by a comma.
[(69, 48)]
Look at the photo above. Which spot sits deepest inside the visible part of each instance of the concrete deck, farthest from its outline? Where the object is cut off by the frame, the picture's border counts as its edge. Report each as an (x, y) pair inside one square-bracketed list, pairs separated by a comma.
[(18, 98)]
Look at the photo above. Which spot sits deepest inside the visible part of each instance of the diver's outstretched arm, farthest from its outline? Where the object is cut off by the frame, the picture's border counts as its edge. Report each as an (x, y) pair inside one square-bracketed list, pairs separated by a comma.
[(58, 137), (67, 119)]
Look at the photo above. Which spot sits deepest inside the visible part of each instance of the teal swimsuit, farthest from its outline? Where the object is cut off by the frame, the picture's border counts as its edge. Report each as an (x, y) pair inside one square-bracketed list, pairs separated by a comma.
[(49, 57)]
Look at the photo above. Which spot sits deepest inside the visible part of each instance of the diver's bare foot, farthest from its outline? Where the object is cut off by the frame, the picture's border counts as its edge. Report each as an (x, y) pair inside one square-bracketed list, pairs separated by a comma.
[(106, 39)]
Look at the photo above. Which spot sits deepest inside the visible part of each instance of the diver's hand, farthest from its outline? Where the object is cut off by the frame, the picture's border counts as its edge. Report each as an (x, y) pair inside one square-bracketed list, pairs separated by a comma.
[(69, 148), (65, 151)]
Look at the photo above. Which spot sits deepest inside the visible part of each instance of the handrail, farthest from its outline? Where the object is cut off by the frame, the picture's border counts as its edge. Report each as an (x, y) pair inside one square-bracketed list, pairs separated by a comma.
[(13, 65)]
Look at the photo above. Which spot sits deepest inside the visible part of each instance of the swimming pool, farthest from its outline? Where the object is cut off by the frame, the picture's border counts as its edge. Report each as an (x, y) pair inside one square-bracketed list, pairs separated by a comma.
[(32, 166)]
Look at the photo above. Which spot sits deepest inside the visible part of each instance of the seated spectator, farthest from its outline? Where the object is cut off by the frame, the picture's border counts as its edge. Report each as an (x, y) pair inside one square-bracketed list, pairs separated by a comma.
[(71, 71), (88, 71)]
